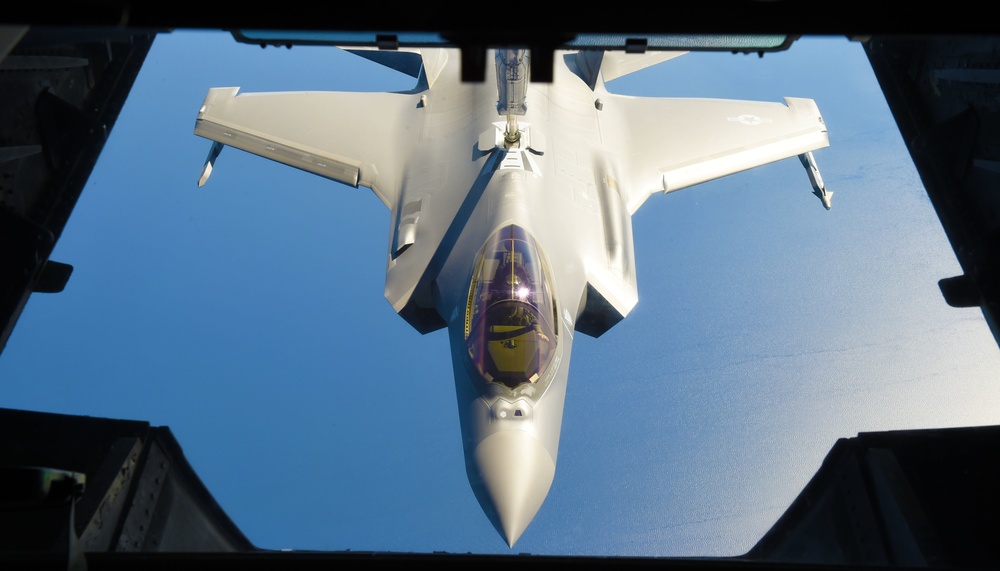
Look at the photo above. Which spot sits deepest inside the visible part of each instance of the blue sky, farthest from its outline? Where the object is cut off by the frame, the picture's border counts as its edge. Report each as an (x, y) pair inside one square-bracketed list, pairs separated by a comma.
[(248, 317)]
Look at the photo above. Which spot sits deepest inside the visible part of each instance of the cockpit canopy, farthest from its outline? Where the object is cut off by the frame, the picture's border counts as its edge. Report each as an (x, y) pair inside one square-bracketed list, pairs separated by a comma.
[(510, 323)]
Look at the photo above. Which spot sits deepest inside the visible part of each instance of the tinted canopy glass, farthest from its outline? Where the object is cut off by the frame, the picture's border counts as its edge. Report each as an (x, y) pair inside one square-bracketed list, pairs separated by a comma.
[(510, 326)]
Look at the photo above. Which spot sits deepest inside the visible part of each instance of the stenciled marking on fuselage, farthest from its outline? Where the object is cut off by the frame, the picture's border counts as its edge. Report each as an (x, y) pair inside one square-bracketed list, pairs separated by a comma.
[(518, 159)]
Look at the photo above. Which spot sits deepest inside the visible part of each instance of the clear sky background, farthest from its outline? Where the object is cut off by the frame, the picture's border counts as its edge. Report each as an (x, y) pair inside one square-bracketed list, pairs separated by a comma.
[(248, 317)]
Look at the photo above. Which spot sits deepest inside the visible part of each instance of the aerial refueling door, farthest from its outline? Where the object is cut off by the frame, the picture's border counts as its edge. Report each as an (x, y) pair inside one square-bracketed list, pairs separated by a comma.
[(511, 330)]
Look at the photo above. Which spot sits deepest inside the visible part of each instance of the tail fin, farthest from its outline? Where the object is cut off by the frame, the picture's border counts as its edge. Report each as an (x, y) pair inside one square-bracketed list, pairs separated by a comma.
[(409, 61), (590, 66)]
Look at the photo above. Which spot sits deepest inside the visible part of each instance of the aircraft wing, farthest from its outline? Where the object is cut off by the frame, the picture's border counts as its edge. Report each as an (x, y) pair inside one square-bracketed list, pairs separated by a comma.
[(675, 143), (354, 138)]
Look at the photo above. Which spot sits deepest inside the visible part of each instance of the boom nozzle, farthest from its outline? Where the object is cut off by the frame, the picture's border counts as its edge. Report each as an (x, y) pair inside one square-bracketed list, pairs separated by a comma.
[(513, 69)]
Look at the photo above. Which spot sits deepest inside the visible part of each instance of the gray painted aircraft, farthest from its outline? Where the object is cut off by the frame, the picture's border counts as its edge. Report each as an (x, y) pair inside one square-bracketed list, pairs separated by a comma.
[(511, 210)]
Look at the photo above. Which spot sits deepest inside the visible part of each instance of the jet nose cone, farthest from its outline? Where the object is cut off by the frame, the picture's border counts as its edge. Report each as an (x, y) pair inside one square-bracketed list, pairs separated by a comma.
[(515, 473)]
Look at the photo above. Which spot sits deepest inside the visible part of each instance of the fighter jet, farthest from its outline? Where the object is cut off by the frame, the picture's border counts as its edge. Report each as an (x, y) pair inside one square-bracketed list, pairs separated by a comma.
[(511, 216)]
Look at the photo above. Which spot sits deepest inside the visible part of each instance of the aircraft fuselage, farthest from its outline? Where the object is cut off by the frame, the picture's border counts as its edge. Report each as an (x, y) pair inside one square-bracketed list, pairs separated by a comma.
[(511, 210), (545, 194)]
